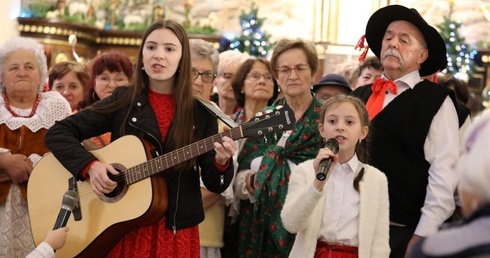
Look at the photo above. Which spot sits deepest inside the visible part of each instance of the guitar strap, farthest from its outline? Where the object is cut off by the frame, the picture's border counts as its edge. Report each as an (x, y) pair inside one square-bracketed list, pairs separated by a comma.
[(214, 109)]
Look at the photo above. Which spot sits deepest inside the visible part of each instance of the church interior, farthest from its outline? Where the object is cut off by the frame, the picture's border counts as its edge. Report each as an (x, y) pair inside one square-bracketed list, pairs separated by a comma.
[(81, 29)]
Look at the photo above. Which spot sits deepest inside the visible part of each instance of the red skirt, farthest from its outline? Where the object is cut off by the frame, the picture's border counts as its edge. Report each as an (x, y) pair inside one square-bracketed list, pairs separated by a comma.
[(157, 241), (326, 250)]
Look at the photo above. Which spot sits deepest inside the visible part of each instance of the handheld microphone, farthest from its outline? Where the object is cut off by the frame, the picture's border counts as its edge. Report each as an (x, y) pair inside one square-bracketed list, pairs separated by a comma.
[(333, 145), (70, 201)]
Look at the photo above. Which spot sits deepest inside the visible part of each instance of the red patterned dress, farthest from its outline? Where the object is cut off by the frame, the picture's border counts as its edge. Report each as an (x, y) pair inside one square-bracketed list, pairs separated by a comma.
[(156, 240)]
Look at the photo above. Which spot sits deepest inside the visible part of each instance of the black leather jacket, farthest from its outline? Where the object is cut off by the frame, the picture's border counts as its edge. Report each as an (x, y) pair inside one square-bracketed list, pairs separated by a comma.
[(184, 197)]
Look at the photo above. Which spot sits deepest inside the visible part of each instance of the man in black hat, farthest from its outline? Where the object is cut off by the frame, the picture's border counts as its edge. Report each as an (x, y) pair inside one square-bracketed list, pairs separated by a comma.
[(330, 85), (415, 125)]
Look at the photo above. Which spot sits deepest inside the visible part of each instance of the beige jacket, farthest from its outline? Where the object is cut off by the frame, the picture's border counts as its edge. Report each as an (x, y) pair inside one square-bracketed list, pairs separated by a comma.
[(303, 209)]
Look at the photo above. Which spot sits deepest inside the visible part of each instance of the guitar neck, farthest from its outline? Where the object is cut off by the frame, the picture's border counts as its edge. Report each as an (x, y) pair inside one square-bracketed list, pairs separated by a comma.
[(173, 158)]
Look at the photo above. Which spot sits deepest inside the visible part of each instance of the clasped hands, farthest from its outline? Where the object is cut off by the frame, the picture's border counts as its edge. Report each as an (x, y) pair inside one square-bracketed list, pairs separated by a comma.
[(17, 167)]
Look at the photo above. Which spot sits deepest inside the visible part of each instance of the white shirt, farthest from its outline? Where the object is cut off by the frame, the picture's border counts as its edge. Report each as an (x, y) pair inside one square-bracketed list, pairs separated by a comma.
[(441, 149), (43, 250), (340, 221)]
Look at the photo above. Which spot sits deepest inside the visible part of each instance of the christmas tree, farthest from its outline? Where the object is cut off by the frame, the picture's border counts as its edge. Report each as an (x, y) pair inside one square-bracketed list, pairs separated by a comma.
[(460, 56), (252, 40)]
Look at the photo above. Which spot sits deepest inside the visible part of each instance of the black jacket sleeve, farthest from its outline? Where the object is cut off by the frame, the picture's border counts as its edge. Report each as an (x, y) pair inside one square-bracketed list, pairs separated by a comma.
[(64, 138)]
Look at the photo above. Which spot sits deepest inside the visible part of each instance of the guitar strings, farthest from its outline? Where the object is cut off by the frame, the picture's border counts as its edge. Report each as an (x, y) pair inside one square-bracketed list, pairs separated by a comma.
[(194, 147), (157, 163)]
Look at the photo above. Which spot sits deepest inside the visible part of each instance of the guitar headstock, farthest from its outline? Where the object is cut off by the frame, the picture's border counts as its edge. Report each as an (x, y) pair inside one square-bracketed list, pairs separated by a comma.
[(277, 120)]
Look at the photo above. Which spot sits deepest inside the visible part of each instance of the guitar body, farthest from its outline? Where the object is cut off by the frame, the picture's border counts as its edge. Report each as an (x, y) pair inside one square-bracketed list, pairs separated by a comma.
[(103, 222), (138, 200)]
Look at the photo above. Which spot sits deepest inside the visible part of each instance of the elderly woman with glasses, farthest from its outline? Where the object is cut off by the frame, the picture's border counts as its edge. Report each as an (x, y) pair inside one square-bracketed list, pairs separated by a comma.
[(204, 62), (265, 164), (108, 71), (254, 87)]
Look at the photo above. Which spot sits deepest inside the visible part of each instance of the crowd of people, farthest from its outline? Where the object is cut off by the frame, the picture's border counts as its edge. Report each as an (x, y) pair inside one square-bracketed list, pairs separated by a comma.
[(405, 150)]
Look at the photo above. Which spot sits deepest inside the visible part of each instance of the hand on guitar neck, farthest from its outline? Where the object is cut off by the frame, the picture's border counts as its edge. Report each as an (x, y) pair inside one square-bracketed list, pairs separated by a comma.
[(224, 151)]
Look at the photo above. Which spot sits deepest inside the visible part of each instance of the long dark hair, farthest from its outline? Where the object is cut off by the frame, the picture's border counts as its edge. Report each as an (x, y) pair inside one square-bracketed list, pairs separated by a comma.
[(182, 130), (361, 146)]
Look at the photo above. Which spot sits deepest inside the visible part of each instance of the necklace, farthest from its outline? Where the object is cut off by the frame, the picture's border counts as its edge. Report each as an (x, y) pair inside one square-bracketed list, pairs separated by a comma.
[(34, 108)]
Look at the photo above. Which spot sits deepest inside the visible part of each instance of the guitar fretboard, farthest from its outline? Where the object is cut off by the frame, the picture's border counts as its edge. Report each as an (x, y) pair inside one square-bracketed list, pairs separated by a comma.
[(161, 163)]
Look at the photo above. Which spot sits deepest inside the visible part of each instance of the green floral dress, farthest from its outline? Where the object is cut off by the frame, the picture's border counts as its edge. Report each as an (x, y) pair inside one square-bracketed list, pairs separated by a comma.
[(261, 231)]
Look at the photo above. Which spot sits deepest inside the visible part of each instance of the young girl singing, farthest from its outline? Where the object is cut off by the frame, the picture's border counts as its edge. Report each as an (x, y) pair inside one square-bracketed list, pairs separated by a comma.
[(345, 215)]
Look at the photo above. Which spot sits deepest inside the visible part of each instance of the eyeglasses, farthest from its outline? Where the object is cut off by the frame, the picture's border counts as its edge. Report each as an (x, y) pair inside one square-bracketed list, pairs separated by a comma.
[(256, 77), (286, 70), (118, 81), (205, 76)]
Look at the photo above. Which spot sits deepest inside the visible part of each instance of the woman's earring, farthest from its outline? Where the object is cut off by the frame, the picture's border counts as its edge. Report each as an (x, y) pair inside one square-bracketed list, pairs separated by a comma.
[(143, 68), (360, 140)]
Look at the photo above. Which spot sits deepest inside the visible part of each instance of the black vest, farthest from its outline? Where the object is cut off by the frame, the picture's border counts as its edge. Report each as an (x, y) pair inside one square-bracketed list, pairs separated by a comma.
[(397, 140), (463, 113)]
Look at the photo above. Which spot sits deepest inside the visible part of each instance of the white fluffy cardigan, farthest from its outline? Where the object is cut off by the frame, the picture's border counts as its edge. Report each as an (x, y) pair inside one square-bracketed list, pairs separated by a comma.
[(303, 209)]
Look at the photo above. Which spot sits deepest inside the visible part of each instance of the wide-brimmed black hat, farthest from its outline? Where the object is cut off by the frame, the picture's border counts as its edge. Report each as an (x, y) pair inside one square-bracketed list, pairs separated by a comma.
[(333, 79), (379, 21)]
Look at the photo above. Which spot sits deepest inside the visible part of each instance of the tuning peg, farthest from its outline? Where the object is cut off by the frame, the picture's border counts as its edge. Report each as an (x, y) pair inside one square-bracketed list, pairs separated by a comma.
[(268, 111), (275, 137), (279, 107), (265, 139)]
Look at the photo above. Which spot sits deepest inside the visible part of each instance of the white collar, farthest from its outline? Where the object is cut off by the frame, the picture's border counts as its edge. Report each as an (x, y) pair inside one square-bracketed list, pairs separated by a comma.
[(52, 107)]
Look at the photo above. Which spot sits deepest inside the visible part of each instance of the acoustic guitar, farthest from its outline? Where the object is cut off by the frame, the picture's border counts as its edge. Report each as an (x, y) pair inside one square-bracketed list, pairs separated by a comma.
[(99, 222)]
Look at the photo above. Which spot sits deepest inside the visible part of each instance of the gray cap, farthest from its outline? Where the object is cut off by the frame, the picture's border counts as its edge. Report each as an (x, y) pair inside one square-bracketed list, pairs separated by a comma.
[(333, 79)]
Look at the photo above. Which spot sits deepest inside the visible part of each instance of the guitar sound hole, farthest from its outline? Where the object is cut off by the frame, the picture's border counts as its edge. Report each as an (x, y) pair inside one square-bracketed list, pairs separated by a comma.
[(121, 188), (121, 184)]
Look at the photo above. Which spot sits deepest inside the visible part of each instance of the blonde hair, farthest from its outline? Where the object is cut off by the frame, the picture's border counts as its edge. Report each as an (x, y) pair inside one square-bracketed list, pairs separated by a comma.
[(349, 69), (231, 57)]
